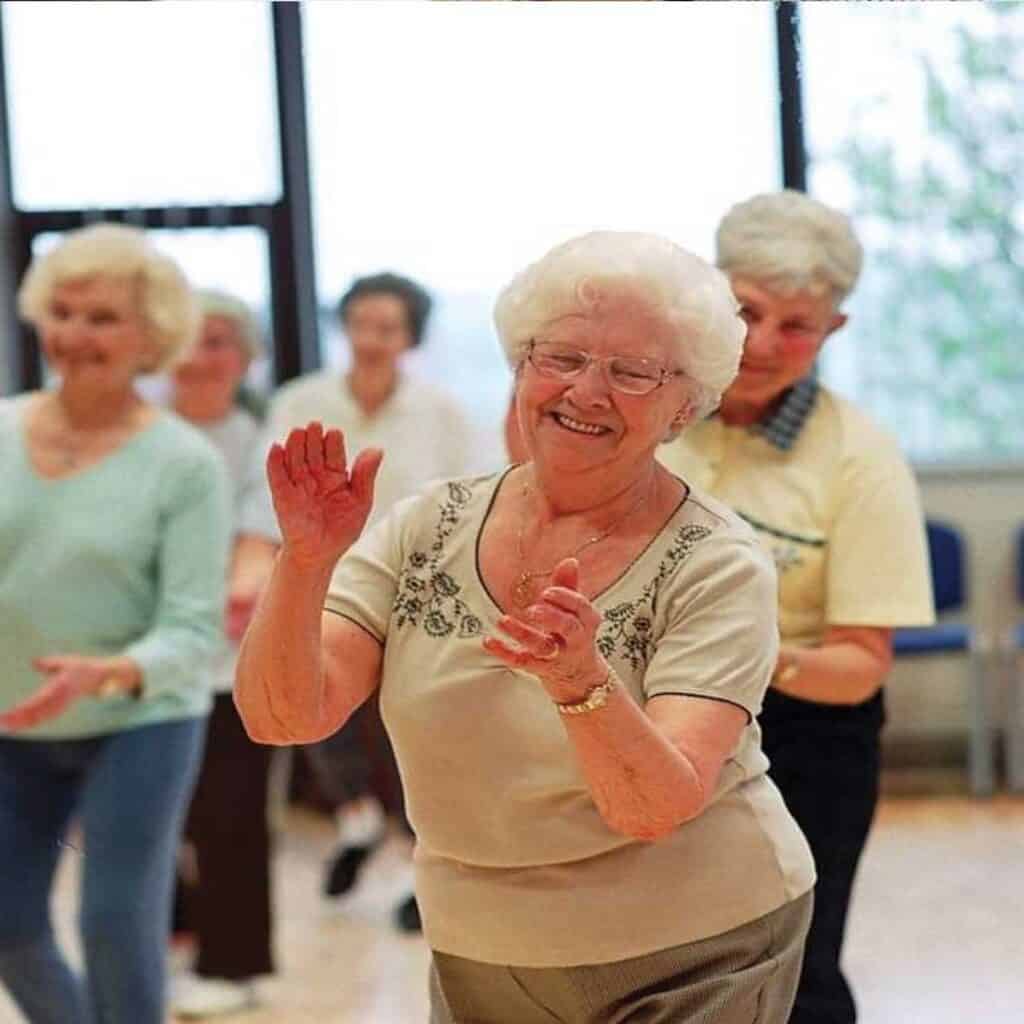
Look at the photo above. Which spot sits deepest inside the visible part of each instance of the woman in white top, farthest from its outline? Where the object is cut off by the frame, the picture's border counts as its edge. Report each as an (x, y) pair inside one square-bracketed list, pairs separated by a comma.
[(570, 657), (376, 403)]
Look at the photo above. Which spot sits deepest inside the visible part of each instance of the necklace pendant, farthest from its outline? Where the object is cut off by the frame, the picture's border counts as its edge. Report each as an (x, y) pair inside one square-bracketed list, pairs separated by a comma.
[(522, 592)]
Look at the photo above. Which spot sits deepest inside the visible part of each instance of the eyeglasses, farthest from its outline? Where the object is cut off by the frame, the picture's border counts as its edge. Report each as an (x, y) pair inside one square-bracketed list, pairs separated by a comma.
[(628, 374)]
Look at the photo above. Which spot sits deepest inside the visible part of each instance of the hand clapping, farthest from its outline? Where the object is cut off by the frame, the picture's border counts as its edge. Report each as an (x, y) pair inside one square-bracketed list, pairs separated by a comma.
[(557, 643)]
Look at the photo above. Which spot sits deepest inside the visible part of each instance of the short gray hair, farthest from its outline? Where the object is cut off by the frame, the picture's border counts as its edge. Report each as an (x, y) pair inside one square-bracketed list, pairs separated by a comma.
[(169, 308), (792, 243), (689, 295), (213, 302)]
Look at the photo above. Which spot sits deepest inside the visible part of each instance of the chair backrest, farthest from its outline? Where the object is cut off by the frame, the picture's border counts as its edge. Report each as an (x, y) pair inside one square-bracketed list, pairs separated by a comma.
[(1020, 564), (946, 554)]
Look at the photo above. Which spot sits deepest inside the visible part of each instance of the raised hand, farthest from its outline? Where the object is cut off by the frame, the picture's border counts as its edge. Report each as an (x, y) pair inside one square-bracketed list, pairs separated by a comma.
[(557, 643), (321, 506)]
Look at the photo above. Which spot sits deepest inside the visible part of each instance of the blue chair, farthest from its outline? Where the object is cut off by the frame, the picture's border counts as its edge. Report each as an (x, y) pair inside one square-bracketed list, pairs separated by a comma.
[(1015, 690), (946, 550)]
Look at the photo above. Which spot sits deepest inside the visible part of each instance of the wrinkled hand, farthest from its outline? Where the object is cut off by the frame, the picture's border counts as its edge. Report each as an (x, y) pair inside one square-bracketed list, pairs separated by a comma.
[(321, 506), (67, 678), (556, 642)]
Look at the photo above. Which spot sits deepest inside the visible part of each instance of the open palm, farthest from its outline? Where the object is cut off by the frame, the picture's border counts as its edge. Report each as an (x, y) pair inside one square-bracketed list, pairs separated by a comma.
[(321, 505)]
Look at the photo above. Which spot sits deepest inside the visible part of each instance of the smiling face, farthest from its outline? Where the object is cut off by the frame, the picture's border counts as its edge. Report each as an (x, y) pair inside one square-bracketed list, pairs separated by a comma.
[(378, 329), (217, 362), (784, 335), (93, 334), (583, 424)]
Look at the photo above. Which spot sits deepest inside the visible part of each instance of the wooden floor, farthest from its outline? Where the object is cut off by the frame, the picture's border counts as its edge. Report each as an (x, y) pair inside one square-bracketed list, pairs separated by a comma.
[(936, 937)]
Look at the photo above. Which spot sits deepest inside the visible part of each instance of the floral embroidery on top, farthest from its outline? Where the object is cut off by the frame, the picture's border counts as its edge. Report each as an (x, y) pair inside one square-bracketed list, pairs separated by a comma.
[(627, 630), (429, 596)]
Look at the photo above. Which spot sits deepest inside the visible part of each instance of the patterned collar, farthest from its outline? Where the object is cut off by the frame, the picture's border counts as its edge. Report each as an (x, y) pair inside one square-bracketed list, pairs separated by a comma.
[(783, 427)]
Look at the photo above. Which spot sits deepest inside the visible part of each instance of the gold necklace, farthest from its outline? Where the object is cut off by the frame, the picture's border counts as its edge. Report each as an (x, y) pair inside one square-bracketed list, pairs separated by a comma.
[(522, 591)]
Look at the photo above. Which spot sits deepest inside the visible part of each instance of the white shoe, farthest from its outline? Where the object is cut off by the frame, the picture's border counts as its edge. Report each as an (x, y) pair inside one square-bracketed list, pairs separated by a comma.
[(195, 998)]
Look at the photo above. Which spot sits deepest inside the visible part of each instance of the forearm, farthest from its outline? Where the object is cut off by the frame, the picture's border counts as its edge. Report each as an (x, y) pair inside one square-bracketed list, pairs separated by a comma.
[(835, 673), (642, 784), (279, 679)]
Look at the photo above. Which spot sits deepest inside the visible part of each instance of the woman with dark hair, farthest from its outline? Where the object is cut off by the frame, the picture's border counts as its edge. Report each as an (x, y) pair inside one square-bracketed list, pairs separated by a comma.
[(376, 403)]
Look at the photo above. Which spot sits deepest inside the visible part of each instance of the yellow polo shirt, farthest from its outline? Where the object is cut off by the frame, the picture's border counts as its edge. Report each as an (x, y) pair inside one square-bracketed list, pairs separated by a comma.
[(838, 510)]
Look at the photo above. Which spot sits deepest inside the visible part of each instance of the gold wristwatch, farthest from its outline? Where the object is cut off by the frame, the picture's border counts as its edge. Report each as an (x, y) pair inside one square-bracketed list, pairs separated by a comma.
[(596, 697)]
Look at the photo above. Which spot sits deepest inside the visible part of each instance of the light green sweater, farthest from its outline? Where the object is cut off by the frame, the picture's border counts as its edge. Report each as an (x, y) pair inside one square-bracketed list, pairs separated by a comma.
[(125, 557)]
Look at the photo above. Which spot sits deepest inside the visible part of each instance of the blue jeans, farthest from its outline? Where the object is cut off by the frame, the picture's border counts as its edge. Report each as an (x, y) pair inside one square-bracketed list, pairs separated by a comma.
[(130, 791)]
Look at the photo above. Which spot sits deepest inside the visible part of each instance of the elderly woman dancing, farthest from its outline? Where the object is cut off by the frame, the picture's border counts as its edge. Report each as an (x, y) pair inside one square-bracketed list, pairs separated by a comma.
[(571, 656), (113, 550)]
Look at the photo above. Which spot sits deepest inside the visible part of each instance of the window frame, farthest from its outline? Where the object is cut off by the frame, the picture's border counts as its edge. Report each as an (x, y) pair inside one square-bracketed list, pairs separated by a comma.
[(288, 221)]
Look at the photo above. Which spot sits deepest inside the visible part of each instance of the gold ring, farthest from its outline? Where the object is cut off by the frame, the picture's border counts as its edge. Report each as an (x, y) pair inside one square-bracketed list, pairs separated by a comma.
[(556, 649)]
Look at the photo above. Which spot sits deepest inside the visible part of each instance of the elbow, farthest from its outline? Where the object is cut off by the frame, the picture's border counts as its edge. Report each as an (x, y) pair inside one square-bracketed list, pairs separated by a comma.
[(258, 731), (263, 728), (651, 826), (648, 830), (266, 737), (658, 813)]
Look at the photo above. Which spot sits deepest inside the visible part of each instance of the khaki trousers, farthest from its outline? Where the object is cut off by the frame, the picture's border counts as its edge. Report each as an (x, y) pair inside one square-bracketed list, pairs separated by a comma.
[(746, 976)]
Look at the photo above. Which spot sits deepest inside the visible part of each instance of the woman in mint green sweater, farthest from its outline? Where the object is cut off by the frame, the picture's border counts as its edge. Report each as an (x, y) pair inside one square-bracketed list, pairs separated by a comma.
[(114, 532)]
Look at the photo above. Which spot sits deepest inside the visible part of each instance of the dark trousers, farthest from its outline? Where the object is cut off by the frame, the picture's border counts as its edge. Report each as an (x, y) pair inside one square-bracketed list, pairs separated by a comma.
[(358, 761), (825, 761), (229, 908)]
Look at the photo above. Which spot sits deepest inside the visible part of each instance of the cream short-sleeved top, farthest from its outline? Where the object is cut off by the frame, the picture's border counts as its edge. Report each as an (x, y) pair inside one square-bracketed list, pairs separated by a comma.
[(514, 863), (838, 509)]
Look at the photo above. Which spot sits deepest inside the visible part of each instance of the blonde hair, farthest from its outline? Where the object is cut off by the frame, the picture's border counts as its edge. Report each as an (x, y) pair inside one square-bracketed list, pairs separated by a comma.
[(168, 304), (791, 243), (687, 294), (213, 302)]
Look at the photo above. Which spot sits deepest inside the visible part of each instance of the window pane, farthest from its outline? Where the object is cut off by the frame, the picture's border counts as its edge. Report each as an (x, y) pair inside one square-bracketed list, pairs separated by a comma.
[(459, 142), (924, 151), (234, 260), (142, 104)]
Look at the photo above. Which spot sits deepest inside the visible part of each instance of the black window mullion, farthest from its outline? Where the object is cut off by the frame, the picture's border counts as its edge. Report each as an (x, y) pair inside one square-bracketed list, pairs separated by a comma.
[(16, 349), (293, 268), (791, 117)]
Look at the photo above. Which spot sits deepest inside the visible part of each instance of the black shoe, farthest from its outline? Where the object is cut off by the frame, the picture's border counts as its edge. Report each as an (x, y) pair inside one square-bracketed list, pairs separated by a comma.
[(343, 869), (407, 916)]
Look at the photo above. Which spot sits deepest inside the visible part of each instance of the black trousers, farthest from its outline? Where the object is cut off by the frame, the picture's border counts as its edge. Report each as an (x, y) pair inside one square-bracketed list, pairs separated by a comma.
[(825, 761), (358, 761), (229, 908)]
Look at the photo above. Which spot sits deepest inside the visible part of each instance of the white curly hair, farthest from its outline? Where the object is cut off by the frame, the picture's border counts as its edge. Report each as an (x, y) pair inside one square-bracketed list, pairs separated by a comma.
[(687, 294), (168, 304), (213, 302), (790, 242)]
